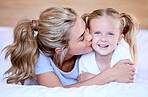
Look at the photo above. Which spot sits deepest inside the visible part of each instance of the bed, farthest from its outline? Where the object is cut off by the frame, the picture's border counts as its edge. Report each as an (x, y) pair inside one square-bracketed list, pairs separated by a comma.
[(113, 89), (10, 14)]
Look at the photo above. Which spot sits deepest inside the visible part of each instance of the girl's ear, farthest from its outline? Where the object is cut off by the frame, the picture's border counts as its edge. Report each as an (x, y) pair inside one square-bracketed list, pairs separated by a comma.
[(58, 50), (120, 37)]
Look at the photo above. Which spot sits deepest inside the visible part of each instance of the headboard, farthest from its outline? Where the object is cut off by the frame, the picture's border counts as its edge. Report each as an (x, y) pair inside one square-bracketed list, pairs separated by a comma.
[(14, 10)]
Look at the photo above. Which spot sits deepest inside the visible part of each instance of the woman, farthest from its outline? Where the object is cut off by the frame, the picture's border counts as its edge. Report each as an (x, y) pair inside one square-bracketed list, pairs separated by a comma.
[(61, 38)]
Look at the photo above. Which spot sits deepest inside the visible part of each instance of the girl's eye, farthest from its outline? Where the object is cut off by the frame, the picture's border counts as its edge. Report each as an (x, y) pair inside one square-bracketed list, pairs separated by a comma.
[(110, 34), (97, 33)]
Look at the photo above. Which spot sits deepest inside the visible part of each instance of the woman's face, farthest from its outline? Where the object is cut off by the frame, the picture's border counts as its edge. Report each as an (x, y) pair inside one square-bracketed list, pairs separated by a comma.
[(79, 39)]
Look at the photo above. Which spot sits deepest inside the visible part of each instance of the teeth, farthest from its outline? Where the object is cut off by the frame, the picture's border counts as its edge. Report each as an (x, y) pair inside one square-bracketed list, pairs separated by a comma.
[(103, 45)]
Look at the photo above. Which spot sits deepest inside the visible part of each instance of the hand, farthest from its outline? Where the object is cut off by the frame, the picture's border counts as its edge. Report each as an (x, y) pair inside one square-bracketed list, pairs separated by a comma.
[(84, 76), (122, 72)]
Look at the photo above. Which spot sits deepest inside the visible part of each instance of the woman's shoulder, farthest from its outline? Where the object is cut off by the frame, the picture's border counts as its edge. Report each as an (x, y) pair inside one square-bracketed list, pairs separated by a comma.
[(43, 64), (43, 57)]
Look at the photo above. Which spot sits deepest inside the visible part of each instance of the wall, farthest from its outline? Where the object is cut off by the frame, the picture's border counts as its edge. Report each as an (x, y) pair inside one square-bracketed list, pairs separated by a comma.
[(12, 11)]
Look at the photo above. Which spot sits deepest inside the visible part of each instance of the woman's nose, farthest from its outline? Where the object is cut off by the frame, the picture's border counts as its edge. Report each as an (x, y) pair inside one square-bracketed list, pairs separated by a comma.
[(89, 37)]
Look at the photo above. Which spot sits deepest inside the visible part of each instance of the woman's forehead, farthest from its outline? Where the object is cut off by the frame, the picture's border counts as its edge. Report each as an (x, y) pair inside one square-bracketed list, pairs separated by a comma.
[(78, 29)]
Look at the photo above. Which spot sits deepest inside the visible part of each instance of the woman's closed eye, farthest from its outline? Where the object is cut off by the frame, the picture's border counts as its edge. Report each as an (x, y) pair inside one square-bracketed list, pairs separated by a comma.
[(81, 38)]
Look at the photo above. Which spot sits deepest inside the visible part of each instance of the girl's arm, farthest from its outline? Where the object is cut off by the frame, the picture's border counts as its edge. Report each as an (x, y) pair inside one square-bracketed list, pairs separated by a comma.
[(119, 73), (84, 76)]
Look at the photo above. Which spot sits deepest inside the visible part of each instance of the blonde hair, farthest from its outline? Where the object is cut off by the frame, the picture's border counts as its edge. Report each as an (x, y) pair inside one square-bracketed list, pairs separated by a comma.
[(128, 26), (51, 28)]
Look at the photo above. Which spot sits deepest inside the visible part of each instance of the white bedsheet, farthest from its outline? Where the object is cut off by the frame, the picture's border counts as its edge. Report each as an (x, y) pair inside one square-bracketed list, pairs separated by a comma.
[(108, 90), (137, 89)]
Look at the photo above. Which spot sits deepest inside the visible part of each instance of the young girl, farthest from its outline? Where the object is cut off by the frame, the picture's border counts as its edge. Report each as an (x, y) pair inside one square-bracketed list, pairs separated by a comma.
[(108, 28), (51, 56)]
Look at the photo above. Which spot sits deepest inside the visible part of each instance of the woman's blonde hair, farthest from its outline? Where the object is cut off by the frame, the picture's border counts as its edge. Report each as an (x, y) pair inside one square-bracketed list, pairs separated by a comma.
[(128, 26), (51, 28)]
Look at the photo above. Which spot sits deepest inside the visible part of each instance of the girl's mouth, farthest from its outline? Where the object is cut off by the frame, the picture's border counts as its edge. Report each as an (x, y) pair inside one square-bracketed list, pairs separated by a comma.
[(103, 45)]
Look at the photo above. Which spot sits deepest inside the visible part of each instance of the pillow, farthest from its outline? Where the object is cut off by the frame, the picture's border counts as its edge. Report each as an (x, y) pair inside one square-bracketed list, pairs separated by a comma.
[(142, 47), (6, 38)]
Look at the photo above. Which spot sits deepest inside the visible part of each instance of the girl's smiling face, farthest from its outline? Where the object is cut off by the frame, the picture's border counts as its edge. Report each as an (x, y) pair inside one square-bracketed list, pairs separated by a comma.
[(106, 34)]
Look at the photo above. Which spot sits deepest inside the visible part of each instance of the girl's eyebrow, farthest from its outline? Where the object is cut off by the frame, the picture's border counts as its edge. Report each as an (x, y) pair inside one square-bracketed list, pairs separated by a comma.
[(81, 35)]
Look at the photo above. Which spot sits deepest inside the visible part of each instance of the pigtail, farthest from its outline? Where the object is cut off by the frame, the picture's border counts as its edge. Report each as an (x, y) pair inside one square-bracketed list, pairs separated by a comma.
[(129, 30), (23, 53), (84, 17)]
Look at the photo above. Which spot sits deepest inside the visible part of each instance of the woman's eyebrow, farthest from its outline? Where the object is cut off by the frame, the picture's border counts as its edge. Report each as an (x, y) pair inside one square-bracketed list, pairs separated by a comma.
[(81, 35)]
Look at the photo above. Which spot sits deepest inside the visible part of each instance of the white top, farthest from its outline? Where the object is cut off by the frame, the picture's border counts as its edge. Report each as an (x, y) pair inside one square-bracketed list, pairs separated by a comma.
[(45, 64), (87, 62)]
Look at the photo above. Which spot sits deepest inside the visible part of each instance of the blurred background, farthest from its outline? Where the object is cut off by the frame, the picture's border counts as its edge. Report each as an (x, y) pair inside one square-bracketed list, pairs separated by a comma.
[(12, 11)]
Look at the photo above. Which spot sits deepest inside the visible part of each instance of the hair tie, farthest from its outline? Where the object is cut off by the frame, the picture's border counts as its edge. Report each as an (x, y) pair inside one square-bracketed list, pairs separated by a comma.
[(34, 25)]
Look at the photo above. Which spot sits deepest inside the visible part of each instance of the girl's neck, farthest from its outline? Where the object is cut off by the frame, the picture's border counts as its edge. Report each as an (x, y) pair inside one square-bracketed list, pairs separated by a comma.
[(103, 61)]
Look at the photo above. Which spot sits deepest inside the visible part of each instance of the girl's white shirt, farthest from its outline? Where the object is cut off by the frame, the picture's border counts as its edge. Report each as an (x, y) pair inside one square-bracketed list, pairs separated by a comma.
[(87, 62)]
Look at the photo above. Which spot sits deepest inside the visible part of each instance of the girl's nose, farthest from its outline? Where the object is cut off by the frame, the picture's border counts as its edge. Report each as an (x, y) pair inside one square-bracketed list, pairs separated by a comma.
[(103, 38)]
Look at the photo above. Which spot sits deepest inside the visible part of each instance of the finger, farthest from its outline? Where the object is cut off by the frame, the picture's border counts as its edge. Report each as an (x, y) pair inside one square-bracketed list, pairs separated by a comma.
[(78, 76), (131, 77), (133, 69), (132, 73), (82, 71), (130, 81), (78, 79), (127, 61)]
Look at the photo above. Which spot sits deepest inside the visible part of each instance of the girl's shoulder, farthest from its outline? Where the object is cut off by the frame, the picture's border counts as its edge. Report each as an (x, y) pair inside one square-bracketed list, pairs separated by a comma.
[(88, 55), (123, 44)]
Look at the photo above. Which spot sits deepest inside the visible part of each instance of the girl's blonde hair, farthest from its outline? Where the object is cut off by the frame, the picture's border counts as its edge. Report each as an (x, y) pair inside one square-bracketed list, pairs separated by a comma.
[(51, 28), (128, 26)]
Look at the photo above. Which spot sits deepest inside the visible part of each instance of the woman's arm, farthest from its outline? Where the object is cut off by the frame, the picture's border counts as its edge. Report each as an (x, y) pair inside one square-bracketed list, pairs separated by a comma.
[(49, 79), (121, 72)]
